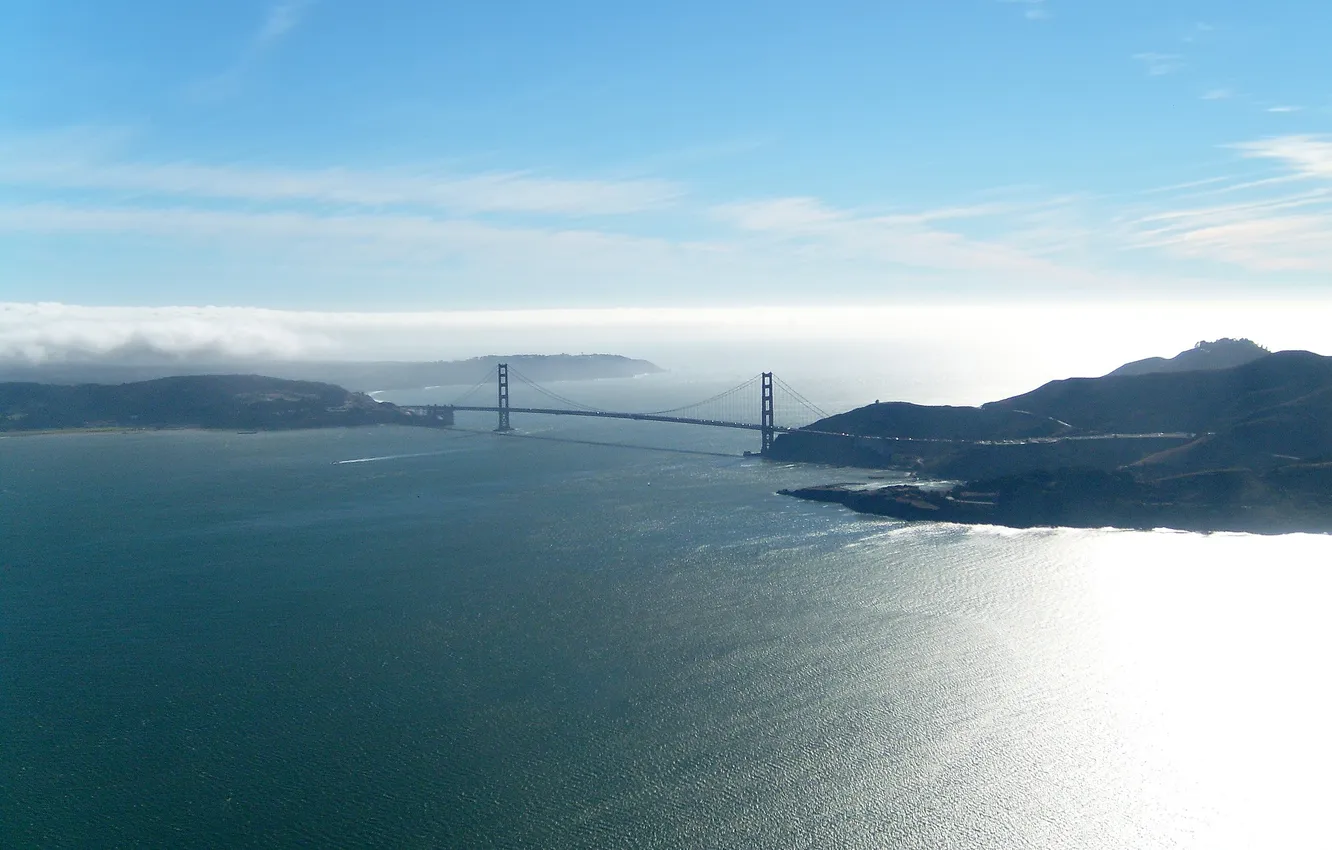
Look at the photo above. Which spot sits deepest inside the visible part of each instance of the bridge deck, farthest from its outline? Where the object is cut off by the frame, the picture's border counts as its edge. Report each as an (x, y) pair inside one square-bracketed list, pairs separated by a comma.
[(641, 417), (749, 426)]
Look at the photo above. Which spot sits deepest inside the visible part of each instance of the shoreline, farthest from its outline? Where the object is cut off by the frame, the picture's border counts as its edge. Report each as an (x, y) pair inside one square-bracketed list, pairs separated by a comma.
[(1078, 499), (126, 429), (110, 429)]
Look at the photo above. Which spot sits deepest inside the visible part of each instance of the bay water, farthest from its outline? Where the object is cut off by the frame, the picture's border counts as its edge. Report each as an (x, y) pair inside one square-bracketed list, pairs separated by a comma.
[(610, 634)]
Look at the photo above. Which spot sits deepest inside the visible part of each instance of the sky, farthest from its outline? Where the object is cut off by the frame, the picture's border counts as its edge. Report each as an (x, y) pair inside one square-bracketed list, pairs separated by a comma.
[(174, 170)]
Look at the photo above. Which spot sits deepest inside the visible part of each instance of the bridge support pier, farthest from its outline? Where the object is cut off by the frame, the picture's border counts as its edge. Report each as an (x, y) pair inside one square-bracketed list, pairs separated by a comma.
[(767, 419), (503, 377)]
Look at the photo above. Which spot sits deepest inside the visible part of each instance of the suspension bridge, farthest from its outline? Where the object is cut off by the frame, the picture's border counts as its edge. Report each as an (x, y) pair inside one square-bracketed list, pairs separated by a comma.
[(764, 403)]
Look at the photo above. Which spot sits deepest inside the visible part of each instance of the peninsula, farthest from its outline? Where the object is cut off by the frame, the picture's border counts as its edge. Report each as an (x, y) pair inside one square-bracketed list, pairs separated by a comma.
[(238, 402), (1216, 446)]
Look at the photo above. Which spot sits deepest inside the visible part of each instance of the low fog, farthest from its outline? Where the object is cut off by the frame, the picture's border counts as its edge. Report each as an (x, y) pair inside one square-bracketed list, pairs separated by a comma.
[(931, 353)]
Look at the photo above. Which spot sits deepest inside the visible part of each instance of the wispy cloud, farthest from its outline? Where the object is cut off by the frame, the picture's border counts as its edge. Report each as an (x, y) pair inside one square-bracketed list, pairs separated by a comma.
[(1197, 32), (1251, 102), (791, 232), (1174, 188), (475, 234), (911, 241), (1256, 242), (1160, 64), (781, 243), (1275, 224), (1032, 10), (426, 217), (419, 187), (280, 19), (423, 236), (461, 262), (1310, 156)]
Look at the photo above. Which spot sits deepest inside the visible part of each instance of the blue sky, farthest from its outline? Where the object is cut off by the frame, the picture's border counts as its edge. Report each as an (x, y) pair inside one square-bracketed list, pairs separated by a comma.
[(351, 156)]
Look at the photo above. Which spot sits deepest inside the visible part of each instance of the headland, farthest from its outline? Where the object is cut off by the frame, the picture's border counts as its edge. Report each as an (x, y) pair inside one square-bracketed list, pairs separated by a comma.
[(1210, 446), (234, 402)]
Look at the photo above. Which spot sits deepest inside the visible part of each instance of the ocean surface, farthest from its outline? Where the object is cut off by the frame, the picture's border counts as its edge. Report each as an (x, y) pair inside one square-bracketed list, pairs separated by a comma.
[(409, 638)]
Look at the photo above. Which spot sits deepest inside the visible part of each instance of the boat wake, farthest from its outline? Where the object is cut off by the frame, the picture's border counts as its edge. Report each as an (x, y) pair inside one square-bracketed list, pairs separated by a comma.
[(393, 457)]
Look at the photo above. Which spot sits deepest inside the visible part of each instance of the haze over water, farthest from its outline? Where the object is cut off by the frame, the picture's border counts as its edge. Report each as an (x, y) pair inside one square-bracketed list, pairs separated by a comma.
[(213, 639)]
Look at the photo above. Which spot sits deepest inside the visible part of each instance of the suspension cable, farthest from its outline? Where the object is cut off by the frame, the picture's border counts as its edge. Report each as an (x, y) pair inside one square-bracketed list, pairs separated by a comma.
[(717, 397), (534, 385), (723, 396), (478, 385), (813, 408)]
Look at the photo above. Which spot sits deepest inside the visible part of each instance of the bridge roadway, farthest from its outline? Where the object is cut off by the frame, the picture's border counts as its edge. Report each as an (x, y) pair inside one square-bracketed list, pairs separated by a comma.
[(748, 426), (641, 417)]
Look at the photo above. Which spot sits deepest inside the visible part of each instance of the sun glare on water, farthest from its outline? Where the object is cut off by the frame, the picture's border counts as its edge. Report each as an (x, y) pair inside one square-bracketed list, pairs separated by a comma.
[(1215, 671)]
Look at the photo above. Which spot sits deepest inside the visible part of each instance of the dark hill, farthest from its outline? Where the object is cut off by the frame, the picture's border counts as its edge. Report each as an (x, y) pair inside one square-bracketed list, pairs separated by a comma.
[(1270, 411), (201, 401), (1178, 401), (904, 419), (1219, 354), (1254, 452), (922, 433), (1298, 429)]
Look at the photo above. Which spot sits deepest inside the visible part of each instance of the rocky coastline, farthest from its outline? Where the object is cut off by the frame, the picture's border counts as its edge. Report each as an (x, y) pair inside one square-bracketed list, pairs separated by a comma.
[(1297, 498)]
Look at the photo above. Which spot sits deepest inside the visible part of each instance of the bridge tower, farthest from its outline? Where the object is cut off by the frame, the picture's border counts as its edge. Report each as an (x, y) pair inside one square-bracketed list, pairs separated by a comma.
[(767, 419), (503, 375)]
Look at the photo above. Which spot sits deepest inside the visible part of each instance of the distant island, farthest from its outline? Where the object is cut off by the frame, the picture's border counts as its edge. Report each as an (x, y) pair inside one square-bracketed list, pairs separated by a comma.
[(238, 402), (362, 377), (1244, 447)]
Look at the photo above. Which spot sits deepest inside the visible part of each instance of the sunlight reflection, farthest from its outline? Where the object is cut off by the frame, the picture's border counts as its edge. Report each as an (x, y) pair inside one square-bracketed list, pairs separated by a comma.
[(1216, 673)]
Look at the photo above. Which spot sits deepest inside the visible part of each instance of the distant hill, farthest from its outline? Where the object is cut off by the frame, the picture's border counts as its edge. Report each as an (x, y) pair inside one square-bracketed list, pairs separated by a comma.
[(200, 401), (1219, 354), (365, 377), (1270, 411), (1243, 448), (1177, 401)]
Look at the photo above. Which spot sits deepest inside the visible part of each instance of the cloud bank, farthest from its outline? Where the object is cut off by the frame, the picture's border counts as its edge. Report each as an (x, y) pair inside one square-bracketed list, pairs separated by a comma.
[(1109, 333)]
